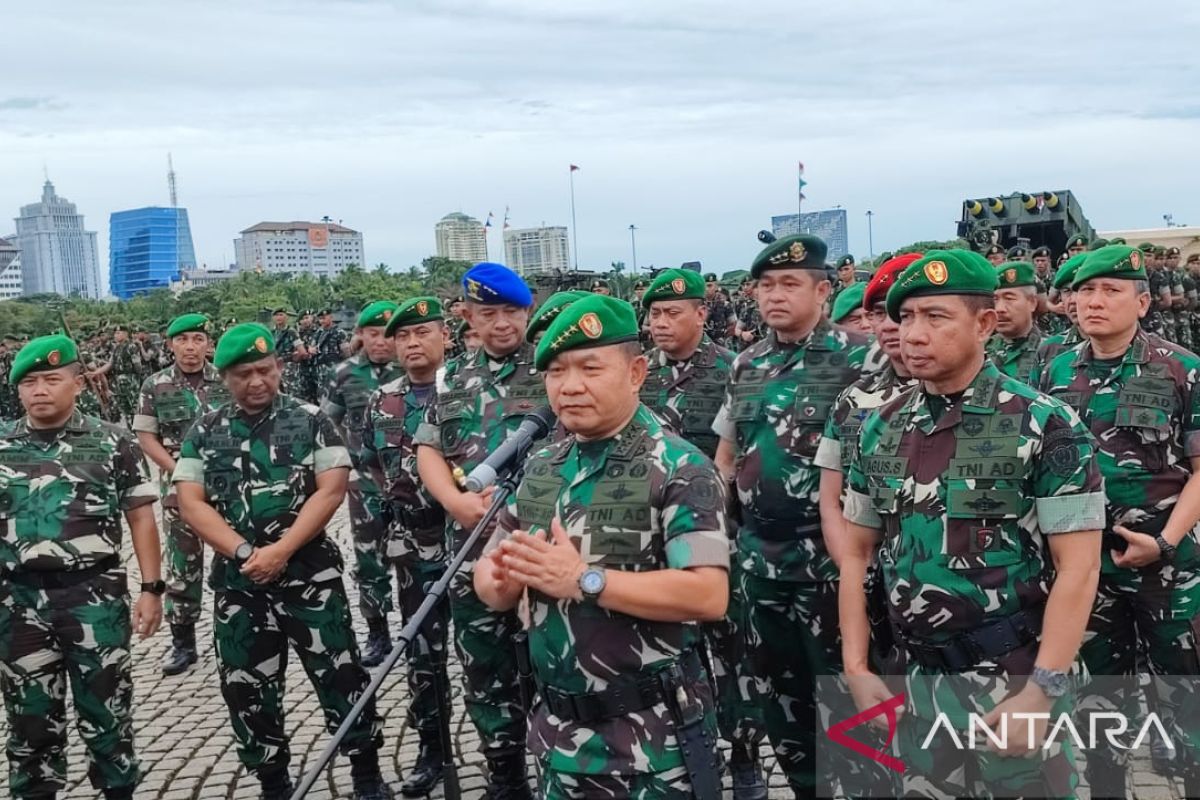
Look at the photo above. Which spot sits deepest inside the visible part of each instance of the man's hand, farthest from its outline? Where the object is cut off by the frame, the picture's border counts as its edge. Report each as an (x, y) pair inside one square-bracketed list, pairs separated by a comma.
[(551, 567), (1142, 550), (492, 570), (147, 614), (470, 507), (868, 691), (1030, 700), (266, 564)]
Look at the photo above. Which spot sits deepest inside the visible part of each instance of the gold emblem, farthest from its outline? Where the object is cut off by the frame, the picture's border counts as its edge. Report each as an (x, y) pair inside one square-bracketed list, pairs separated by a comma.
[(473, 289), (1010, 275), (422, 308), (797, 251), (260, 344), (678, 285), (936, 272), (591, 325), (53, 358), (1135, 259), (387, 315)]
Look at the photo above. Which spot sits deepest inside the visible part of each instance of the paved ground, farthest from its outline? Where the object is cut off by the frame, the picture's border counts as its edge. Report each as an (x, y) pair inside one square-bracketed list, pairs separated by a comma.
[(184, 741)]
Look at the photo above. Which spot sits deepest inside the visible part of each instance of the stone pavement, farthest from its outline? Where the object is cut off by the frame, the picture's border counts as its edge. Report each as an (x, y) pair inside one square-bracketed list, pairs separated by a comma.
[(183, 738)]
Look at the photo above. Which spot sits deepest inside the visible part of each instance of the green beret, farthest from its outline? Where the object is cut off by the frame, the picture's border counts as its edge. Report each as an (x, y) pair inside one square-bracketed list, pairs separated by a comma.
[(188, 323), (711, 278), (942, 272), (791, 252), (1066, 272), (1042, 252), (845, 261), (1117, 240), (995, 250), (377, 314), (849, 299), (549, 310), (639, 284), (43, 353), (593, 321), (1146, 247), (1016, 273), (1096, 245), (243, 344), (414, 311), (1078, 240), (1114, 261), (674, 284)]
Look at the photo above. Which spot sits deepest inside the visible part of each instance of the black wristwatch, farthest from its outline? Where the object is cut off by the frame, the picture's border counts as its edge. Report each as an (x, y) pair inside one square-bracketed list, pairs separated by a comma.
[(243, 552), (1052, 682), (158, 587), (1166, 550)]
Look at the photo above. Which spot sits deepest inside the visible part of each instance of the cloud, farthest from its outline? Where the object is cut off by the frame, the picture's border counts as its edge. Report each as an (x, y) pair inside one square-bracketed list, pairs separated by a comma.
[(29, 104)]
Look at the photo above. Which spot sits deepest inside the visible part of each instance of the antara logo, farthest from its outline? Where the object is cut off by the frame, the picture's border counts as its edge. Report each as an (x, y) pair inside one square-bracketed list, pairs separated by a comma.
[(887, 709)]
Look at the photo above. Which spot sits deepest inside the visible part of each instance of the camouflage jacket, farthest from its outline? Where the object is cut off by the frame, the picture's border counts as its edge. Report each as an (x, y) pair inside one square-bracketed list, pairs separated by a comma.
[(393, 415), (1050, 347), (345, 400), (127, 361), (285, 343), (1145, 415), (328, 342), (720, 318), (257, 472), (61, 501), (966, 500), (839, 440), (1016, 358), (643, 500), (778, 399), (480, 401), (686, 395)]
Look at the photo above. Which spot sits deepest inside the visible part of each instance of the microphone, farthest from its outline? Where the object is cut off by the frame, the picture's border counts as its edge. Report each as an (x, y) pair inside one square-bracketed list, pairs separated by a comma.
[(513, 451)]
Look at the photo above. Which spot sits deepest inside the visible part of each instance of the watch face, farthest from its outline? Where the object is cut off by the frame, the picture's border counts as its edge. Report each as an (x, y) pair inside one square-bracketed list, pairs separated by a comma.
[(593, 581)]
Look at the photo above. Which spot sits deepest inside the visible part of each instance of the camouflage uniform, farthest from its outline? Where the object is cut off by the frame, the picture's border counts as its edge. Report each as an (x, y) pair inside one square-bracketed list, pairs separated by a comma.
[(720, 317), (10, 401), (285, 348), (64, 604), (416, 540), (168, 404), (1050, 347), (775, 408), (1016, 358), (481, 400), (1156, 322), (642, 500), (1191, 294), (329, 343), (1145, 415), (257, 472), (1179, 319), (309, 389), (750, 319), (125, 377), (964, 494), (346, 404), (686, 395)]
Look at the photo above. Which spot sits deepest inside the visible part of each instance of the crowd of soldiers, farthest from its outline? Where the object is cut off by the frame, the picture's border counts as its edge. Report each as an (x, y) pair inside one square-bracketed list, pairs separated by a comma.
[(971, 465)]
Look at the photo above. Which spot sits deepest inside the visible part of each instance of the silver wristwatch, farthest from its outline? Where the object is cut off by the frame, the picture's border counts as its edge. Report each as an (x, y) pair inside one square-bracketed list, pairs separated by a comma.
[(1052, 682)]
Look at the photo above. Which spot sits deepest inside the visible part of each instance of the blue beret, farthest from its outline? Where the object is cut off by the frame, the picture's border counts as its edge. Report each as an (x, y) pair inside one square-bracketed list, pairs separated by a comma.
[(495, 284)]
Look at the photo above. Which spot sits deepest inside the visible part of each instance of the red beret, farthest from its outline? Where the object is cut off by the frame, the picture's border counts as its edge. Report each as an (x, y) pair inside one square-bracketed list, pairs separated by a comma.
[(885, 276)]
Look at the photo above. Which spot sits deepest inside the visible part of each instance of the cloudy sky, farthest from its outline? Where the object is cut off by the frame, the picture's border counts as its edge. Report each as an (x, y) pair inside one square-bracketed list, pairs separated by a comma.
[(686, 118)]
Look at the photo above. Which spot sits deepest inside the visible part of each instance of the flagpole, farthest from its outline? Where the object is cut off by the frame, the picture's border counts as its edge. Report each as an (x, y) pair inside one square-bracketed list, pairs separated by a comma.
[(574, 228)]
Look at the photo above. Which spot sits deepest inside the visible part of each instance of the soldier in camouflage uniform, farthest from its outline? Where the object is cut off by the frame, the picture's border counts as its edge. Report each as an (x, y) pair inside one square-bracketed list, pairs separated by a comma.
[(330, 339), (1013, 348), (416, 544), (169, 402), (10, 403), (1052, 345), (1140, 395), (1159, 321), (258, 480), (720, 312), (750, 327), (126, 374), (66, 480), (995, 255), (618, 537), (1193, 270), (779, 395), (1183, 297), (346, 403), (985, 504), (684, 388), (306, 351), (285, 345), (479, 403), (845, 278)]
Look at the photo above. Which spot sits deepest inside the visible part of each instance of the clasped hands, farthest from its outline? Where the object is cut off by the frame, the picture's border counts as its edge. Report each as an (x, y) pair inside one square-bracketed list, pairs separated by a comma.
[(549, 564)]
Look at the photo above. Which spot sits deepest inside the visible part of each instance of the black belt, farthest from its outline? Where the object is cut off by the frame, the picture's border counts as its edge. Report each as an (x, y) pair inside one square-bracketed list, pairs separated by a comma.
[(782, 530), (987, 642), (61, 579), (645, 691), (415, 519)]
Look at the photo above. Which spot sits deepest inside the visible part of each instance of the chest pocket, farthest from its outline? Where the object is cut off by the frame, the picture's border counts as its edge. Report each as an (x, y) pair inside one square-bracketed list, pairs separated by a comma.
[(89, 468), (523, 395), (291, 442), (216, 395), (618, 528), (702, 400), (747, 395), (14, 492), (174, 406), (537, 496), (452, 408), (885, 479), (1145, 410), (981, 522)]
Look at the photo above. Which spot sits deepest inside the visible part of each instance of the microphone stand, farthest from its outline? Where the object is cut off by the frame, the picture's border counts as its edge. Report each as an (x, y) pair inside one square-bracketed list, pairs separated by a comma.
[(504, 488)]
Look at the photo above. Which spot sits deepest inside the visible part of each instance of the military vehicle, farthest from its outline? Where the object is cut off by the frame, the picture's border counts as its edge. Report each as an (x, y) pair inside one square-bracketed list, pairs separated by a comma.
[(1040, 219)]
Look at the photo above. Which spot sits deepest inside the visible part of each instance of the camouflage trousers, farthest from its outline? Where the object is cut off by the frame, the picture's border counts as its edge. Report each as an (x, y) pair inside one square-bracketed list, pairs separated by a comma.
[(252, 631), (427, 653), (183, 569), (125, 395), (293, 380), (484, 641), (369, 527), (739, 715), (673, 784), (1150, 616), (51, 637)]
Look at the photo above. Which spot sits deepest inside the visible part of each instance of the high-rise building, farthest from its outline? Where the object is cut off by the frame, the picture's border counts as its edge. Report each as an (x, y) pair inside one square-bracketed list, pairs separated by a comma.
[(530, 251), (147, 249), (461, 237), (829, 225), (57, 254), (11, 284), (321, 249)]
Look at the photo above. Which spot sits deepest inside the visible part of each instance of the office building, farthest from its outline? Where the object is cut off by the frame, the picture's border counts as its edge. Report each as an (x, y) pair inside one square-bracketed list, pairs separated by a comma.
[(58, 255), (532, 251), (461, 238), (829, 225), (11, 284), (147, 249), (320, 249)]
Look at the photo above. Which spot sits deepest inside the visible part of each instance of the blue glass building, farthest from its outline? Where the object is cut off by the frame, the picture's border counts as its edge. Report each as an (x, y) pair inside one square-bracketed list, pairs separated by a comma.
[(147, 247)]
